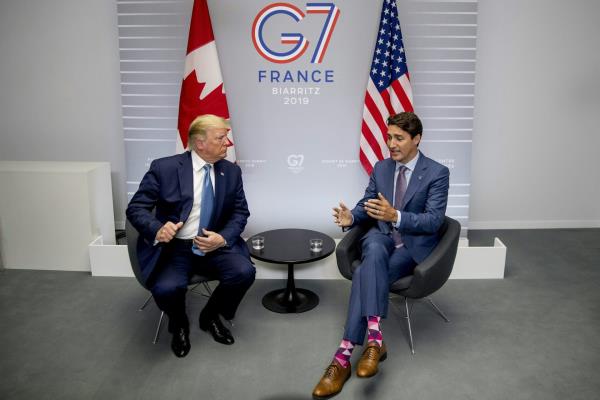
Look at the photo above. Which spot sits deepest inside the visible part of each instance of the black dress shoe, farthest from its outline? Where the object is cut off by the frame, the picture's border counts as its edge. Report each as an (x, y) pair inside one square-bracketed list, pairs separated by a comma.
[(216, 328), (180, 343)]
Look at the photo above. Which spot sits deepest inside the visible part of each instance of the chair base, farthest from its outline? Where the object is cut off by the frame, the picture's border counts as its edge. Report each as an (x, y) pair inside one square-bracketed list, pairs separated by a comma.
[(162, 313), (407, 317)]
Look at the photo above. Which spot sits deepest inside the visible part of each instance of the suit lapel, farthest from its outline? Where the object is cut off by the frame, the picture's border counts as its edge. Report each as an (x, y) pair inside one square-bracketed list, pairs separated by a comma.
[(185, 173), (416, 179), (388, 189)]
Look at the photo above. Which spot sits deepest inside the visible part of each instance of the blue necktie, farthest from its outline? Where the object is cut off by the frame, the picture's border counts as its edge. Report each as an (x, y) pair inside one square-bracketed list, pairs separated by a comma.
[(206, 206)]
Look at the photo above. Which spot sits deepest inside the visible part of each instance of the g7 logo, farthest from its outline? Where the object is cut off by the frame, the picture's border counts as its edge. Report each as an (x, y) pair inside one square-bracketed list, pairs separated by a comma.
[(297, 39), (295, 160)]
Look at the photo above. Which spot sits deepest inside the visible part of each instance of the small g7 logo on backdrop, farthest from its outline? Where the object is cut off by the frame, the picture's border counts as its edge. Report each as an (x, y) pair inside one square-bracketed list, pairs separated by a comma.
[(297, 39), (295, 162)]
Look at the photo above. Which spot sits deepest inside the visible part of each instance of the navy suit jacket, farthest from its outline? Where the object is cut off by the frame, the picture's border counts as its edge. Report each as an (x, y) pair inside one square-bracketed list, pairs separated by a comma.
[(166, 194), (423, 207)]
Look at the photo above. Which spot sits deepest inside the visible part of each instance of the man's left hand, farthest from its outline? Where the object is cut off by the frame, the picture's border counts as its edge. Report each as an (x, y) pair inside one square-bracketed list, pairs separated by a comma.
[(381, 209), (211, 242)]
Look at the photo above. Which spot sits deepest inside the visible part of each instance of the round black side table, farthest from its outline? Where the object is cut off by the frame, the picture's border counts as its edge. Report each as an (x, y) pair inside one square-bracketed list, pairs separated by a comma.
[(290, 246)]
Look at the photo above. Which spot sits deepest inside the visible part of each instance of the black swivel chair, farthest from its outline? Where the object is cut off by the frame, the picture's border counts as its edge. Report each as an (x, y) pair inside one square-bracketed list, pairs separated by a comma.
[(132, 238), (428, 276)]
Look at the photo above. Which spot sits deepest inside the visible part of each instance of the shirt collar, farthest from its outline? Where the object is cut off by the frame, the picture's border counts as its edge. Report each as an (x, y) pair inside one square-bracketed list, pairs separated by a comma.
[(411, 164), (197, 162)]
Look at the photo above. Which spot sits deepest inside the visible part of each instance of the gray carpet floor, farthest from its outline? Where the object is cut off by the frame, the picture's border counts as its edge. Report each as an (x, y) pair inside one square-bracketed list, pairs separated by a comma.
[(533, 335)]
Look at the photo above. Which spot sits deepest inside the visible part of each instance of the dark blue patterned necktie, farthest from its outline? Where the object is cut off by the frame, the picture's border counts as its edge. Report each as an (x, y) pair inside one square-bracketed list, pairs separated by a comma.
[(399, 196), (206, 206)]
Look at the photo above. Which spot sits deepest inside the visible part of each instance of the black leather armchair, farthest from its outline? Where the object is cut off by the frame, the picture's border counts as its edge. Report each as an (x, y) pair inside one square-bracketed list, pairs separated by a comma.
[(428, 276), (132, 238)]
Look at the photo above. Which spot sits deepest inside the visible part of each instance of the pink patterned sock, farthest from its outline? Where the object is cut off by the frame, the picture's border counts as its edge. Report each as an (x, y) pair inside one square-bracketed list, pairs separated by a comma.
[(374, 330), (343, 353)]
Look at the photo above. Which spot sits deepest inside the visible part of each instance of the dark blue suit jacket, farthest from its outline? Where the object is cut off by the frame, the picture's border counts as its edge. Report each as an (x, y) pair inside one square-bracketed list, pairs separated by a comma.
[(166, 194), (423, 208)]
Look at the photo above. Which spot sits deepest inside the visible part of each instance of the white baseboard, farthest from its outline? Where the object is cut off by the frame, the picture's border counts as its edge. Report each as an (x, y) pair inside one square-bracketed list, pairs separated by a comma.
[(471, 263), (109, 260), (479, 262), (521, 224)]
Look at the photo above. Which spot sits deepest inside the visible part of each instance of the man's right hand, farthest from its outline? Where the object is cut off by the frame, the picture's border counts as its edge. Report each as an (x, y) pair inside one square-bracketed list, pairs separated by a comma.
[(168, 231), (342, 216)]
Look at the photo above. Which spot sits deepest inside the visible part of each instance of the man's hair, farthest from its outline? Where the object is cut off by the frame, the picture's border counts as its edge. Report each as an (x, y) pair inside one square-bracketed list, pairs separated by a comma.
[(408, 122), (202, 123)]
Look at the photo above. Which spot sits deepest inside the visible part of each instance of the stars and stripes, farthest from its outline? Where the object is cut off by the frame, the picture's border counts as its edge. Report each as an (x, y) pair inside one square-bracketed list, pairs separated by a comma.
[(388, 89)]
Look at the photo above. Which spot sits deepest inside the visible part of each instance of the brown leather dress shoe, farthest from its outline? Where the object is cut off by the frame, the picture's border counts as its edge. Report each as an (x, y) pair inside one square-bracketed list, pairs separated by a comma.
[(367, 365), (332, 381)]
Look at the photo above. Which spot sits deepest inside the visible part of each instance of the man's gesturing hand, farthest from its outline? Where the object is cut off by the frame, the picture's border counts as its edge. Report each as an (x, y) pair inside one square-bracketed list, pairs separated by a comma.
[(210, 242), (342, 215), (381, 209), (168, 232)]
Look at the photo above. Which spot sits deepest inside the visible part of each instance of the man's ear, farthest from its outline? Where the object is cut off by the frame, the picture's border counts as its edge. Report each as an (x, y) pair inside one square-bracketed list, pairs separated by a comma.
[(198, 143), (417, 139)]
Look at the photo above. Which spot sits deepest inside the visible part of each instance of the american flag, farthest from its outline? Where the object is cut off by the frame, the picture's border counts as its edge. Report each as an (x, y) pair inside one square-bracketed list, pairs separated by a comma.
[(388, 89), (202, 90)]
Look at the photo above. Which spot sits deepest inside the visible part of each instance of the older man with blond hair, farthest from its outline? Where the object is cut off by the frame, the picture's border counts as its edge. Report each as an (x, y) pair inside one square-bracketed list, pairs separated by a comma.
[(190, 210)]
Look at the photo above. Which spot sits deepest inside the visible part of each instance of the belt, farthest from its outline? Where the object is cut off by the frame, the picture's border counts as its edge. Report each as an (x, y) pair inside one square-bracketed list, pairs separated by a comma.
[(183, 241)]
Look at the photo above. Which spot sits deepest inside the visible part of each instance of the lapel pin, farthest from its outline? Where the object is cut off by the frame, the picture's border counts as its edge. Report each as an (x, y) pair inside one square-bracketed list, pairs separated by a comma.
[(222, 174), (420, 176)]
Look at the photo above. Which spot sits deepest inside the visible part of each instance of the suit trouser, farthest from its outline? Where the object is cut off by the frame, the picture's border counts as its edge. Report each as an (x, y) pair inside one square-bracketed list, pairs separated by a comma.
[(382, 264), (169, 284)]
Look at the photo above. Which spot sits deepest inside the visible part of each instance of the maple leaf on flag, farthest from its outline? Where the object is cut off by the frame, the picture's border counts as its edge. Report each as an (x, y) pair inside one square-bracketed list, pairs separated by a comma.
[(190, 104), (202, 90)]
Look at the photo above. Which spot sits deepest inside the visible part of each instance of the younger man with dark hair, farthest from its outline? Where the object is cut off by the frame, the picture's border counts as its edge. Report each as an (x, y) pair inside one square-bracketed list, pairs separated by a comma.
[(405, 204)]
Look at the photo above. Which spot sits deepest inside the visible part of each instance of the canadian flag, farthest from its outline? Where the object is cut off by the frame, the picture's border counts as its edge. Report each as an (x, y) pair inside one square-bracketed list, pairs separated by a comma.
[(202, 90)]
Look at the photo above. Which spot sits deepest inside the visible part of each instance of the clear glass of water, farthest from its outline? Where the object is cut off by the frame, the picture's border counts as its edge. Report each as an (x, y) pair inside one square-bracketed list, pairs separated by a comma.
[(316, 245), (258, 242)]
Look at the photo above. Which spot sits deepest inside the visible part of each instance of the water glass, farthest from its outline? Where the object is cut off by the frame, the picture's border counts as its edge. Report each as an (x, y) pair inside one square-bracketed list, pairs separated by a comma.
[(316, 245), (258, 242)]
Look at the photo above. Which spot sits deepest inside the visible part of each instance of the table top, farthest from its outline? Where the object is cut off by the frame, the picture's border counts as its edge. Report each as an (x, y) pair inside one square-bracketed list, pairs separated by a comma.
[(290, 246)]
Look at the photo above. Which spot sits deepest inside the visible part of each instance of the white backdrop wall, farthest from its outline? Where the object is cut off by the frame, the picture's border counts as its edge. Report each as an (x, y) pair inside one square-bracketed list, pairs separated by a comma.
[(300, 158), (537, 69), (537, 115), (59, 85)]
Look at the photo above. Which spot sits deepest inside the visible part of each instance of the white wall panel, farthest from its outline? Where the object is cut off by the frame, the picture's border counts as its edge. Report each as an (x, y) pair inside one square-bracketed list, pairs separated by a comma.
[(536, 140)]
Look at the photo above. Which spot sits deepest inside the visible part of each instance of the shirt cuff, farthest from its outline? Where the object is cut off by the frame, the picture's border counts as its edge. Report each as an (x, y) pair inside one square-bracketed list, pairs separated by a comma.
[(397, 224), (347, 228)]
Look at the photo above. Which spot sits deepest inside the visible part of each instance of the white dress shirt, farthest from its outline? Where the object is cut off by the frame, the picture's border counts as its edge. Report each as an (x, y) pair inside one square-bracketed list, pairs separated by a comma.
[(189, 230)]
